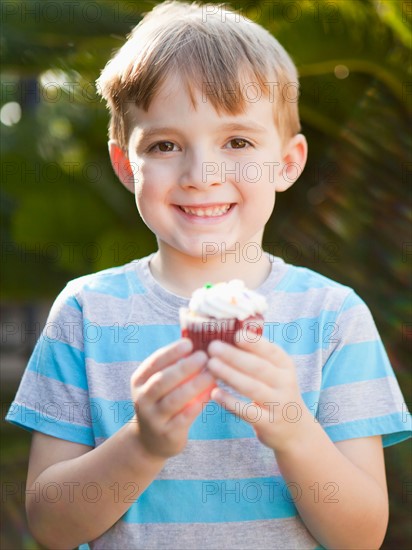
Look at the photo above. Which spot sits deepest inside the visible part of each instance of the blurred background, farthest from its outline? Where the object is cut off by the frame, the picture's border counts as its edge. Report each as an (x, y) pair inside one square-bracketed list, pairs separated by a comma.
[(64, 214)]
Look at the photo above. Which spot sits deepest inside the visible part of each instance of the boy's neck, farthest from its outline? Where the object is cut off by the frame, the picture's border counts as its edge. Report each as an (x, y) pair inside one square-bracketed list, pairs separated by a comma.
[(182, 274)]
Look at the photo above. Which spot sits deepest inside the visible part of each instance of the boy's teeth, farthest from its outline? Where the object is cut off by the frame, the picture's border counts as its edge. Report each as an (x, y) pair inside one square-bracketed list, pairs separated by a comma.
[(209, 211)]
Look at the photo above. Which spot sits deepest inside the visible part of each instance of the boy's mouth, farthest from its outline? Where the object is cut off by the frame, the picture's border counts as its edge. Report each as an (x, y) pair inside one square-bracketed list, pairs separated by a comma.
[(207, 211)]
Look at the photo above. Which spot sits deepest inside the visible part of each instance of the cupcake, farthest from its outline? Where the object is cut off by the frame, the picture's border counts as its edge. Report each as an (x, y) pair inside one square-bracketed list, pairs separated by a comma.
[(217, 312)]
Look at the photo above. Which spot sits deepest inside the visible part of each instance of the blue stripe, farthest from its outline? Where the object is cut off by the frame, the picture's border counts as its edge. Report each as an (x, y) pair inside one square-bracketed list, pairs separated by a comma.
[(214, 422), (394, 428), (56, 360), (305, 335), (356, 363), (353, 300), (72, 302), (300, 279), (109, 344), (118, 285), (192, 501), (46, 421), (109, 416), (311, 399)]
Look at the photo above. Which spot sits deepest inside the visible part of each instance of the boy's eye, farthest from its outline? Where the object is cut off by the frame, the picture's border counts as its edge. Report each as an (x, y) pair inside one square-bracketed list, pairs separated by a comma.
[(238, 143), (163, 146)]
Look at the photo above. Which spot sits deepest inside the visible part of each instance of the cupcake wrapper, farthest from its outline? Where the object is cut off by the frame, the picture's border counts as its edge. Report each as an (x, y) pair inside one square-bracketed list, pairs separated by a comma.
[(203, 331)]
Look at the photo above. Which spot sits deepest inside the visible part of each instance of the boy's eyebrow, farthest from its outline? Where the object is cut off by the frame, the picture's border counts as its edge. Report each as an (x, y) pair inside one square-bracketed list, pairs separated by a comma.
[(239, 126), (147, 133)]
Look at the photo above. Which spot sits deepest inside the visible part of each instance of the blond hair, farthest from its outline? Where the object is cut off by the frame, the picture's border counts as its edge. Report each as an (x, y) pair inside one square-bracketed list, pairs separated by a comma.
[(211, 48)]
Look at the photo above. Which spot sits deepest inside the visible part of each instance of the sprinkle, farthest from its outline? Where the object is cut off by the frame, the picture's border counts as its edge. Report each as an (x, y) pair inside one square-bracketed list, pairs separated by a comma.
[(208, 285)]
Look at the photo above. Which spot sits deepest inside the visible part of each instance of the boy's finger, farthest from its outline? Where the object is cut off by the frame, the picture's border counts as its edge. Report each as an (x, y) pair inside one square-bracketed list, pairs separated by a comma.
[(183, 395), (230, 403), (248, 411), (254, 366), (184, 419), (164, 381), (262, 348), (244, 383), (160, 359)]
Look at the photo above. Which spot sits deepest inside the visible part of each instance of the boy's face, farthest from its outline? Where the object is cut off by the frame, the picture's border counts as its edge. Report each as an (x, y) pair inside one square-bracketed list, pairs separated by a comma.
[(202, 179)]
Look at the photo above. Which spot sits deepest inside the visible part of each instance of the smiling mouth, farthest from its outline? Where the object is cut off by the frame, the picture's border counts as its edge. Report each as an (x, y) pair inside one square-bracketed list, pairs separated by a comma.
[(206, 211)]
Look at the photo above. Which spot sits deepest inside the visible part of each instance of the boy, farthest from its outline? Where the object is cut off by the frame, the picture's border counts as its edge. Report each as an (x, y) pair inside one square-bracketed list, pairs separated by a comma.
[(286, 452)]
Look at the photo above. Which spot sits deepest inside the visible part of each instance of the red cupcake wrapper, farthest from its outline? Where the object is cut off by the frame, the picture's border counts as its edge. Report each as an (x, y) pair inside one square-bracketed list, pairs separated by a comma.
[(203, 332)]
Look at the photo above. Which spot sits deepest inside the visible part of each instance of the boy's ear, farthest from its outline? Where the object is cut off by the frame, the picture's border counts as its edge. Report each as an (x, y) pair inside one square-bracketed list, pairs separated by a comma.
[(121, 165), (293, 162)]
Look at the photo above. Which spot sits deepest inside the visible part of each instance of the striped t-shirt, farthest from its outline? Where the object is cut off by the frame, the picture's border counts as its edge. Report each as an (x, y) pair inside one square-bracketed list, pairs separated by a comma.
[(225, 489)]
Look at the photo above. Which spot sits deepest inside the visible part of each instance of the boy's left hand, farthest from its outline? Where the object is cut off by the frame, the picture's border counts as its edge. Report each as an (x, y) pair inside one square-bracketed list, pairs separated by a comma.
[(264, 373)]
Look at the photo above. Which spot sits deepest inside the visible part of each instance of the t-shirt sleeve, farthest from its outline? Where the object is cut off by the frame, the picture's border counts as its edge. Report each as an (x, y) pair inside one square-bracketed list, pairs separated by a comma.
[(360, 395), (53, 395)]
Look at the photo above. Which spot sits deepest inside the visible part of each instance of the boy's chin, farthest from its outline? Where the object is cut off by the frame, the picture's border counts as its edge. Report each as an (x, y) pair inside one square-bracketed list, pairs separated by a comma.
[(200, 253), (213, 251), (190, 250)]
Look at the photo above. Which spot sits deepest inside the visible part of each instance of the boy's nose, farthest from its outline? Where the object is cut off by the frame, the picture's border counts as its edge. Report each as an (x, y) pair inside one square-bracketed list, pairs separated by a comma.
[(200, 171)]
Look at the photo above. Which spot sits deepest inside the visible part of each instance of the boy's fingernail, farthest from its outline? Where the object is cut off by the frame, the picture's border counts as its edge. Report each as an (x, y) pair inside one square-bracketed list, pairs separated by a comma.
[(185, 345), (215, 347), (200, 356)]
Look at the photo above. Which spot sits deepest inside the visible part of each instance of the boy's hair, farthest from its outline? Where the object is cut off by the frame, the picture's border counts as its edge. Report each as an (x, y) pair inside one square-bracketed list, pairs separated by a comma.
[(211, 48)]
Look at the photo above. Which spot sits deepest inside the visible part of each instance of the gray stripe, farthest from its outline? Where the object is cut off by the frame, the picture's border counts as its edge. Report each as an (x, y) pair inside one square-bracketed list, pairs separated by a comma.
[(110, 381), (231, 459), (309, 370), (283, 307), (69, 331), (54, 401), (259, 535), (103, 384), (358, 400), (357, 325), (222, 459), (137, 309)]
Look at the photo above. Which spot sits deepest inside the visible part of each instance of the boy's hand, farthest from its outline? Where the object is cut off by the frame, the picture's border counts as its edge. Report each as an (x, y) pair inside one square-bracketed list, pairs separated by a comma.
[(168, 390), (264, 373)]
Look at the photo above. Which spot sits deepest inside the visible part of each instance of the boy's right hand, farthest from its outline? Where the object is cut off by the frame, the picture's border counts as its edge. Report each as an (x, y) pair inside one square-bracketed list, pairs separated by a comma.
[(169, 390)]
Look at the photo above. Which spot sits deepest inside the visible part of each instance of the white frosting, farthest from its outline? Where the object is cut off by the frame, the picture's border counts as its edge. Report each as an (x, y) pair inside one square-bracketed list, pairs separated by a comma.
[(227, 300)]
